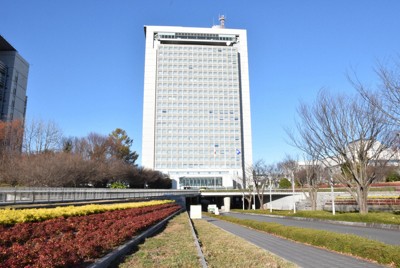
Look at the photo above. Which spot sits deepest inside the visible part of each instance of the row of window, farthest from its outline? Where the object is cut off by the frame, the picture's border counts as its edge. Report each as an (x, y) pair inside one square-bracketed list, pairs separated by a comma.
[(165, 48), (183, 123), (200, 144), (183, 78), (203, 86), (201, 155), (196, 162), (196, 166), (195, 95), (168, 65), (200, 114), (196, 69), (200, 88), (190, 110), (197, 54), (200, 182), (200, 74), (200, 62), (198, 128), (211, 101)]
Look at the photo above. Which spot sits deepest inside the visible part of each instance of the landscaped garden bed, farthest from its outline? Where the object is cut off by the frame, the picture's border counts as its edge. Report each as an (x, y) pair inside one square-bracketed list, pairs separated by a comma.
[(343, 243), (75, 240)]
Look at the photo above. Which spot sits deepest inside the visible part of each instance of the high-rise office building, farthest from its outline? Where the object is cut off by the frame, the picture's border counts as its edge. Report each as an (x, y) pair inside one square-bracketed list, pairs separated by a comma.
[(13, 82), (196, 114)]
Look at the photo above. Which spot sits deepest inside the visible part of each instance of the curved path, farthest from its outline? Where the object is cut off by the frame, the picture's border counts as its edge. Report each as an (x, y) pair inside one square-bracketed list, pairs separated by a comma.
[(391, 237), (300, 254)]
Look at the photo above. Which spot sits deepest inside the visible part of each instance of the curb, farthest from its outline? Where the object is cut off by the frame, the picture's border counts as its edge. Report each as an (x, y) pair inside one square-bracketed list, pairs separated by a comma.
[(196, 241), (348, 223), (120, 251)]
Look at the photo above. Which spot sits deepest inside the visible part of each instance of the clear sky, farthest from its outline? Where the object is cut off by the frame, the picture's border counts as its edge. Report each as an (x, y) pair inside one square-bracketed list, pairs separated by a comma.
[(87, 56)]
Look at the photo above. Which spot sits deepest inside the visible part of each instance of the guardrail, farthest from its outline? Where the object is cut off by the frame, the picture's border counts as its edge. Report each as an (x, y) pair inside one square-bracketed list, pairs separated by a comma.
[(51, 195)]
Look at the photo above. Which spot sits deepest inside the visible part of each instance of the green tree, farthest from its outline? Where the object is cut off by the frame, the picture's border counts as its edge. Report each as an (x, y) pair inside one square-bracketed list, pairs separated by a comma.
[(118, 185), (393, 176), (121, 146), (285, 184)]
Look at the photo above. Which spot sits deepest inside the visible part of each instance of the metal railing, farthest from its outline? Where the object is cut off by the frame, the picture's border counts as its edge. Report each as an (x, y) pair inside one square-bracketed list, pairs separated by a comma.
[(52, 195)]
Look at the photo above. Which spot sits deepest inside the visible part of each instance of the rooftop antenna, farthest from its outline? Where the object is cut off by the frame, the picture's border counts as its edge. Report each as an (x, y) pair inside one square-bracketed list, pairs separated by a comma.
[(222, 21)]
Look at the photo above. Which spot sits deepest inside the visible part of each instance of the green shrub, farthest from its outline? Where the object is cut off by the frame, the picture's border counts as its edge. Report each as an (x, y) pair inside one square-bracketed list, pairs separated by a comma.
[(285, 183), (393, 176), (117, 185)]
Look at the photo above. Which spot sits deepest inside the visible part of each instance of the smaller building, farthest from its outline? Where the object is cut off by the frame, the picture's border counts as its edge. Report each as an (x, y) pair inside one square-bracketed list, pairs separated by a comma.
[(13, 83)]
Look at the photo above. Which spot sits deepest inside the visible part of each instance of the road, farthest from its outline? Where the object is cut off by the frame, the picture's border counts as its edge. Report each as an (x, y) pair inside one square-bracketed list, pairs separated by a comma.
[(300, 254), (391, 237)]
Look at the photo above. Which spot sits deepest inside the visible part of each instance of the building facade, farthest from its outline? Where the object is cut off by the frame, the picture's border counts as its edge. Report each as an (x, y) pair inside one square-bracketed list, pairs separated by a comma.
[(196, 112), (13, 83)]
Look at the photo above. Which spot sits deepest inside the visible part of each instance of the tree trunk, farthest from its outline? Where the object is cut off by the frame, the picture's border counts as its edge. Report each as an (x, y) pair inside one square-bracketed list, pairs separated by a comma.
[(313, 199), (261, 200), (249, 201), (362, 199)]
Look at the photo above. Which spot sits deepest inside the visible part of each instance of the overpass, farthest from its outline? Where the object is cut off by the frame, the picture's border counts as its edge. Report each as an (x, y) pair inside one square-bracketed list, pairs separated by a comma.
[(36, 195), (11, 196), (281, 199)]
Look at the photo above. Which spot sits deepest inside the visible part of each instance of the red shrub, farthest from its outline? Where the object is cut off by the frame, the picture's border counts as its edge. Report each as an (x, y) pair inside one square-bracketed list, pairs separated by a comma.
[(75, 240)]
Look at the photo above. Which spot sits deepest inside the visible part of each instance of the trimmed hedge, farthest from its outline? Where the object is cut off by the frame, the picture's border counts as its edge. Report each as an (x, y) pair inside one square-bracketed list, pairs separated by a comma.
[(13, 216), (371, 217), (344, 243)]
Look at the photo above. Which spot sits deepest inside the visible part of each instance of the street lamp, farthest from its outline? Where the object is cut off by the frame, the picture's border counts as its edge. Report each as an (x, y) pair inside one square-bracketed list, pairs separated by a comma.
[(332, 192), (270, 194), (294, 200)]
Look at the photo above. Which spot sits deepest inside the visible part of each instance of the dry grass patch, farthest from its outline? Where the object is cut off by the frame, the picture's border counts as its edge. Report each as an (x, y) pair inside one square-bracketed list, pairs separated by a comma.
[(174, 247), (222, 249)]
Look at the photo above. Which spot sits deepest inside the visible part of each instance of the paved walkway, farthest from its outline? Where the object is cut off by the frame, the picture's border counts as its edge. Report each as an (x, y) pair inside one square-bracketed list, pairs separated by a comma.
[(300, 254), (384, 235)]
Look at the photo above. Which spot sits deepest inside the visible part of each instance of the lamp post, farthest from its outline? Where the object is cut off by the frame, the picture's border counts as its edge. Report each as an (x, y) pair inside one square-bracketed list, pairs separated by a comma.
[(270, 194), (294, 200), (254, 198), (332, 192)]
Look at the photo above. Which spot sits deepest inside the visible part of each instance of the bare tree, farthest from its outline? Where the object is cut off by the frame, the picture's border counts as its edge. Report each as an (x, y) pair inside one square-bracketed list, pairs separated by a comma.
[(260, 179), (387, 96), (347, 133), (11, 136), (308, 177), (288, 167), (41, 136), (247, 186)]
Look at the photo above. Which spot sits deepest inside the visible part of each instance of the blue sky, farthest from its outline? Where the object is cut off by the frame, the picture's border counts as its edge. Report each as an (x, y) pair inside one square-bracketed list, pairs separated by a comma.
[(87, 56)]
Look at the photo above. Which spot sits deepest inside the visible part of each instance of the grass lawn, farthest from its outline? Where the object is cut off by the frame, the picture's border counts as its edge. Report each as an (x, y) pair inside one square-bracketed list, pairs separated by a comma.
[(175, 247), (222, 249), (376, 217)]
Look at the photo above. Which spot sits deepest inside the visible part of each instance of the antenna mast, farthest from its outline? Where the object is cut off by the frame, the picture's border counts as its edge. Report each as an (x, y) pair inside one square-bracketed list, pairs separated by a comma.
[(222, 21)]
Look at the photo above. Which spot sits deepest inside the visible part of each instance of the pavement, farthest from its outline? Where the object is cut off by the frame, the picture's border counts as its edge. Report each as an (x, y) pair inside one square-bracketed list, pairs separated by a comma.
[(387, 236), (300, 254)]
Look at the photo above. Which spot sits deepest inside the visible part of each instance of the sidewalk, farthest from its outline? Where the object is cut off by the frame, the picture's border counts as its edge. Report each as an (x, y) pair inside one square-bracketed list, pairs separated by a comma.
[(300, 254)]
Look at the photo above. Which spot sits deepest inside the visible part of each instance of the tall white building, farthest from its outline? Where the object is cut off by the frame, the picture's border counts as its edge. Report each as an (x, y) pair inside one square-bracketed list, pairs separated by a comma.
[(196, 112)]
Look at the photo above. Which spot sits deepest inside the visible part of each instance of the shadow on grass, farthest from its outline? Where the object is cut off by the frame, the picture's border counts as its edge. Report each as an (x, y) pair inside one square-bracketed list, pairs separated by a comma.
[(135, 248)]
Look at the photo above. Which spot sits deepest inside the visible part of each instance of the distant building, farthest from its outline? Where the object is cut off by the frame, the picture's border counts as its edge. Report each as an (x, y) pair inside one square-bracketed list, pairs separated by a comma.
[(196, 114), (13, 83)]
